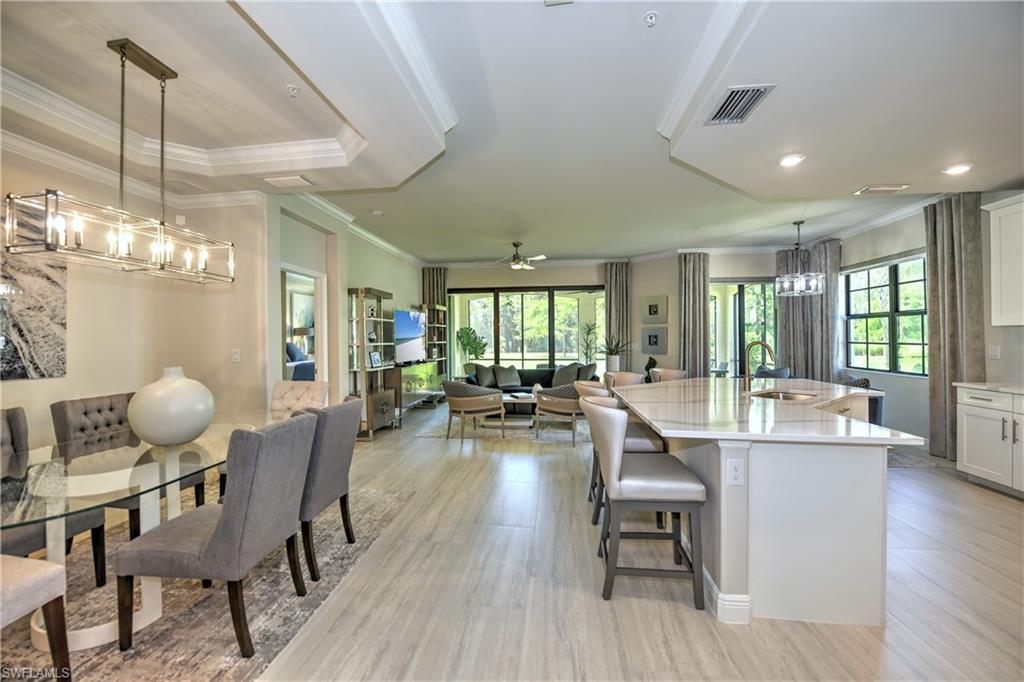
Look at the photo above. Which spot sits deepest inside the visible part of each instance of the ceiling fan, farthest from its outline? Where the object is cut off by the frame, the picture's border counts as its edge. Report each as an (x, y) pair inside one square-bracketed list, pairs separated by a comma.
[(519, 262)]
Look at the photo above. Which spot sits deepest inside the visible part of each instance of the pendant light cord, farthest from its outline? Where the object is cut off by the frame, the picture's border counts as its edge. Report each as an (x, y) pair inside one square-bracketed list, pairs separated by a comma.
[(163, 97), (120, 177)]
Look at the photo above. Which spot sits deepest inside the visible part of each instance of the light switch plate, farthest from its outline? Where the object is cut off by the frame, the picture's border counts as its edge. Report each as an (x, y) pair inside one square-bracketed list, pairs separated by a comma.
[(994, 353), (735, 472), (236, 355)]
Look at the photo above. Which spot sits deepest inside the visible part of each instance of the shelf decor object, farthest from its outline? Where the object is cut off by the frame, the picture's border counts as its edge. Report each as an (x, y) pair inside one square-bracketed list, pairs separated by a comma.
[(172, 410), (800, 283), (53, 225)]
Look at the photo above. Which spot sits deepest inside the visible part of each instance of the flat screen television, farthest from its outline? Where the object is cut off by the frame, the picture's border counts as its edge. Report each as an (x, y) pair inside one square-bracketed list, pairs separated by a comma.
[(410, 336)]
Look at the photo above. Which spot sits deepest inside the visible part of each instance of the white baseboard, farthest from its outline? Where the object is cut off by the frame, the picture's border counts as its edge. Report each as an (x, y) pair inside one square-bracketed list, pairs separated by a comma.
[(728, 608)]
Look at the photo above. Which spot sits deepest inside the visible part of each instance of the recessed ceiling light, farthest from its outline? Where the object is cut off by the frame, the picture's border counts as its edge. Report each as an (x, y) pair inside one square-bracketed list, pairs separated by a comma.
[(790, 160), (377, 212), (958, 169)]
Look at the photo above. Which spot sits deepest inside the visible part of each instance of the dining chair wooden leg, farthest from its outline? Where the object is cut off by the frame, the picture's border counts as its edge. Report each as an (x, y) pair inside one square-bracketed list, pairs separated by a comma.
[(207, 584), (222, 484), (68, 544), (292, 548), (696, 559), (99, 555), (503, 424), (594, 469), (236, 600), (200, 491), (134, 523), (125, 596), (536, 426), (310, 551), (574, 431), (57, 636), (612, 560), (598, 501), (677, 539), (602, 542), (462, 425), (450, 417), (659, 519), (346, 519)]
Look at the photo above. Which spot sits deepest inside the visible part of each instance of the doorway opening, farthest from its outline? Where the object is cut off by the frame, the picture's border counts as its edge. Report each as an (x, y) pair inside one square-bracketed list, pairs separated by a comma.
[(304, 332), (739, 312)]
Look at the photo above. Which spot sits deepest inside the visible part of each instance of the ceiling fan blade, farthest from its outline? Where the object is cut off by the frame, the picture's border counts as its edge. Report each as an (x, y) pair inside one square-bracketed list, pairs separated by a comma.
[(540, 257), (527, 266)]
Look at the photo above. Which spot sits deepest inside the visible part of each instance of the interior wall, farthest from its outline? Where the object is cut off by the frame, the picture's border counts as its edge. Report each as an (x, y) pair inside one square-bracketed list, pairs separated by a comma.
[(371, 266), (655, 278), (124, 327), (741, 265)]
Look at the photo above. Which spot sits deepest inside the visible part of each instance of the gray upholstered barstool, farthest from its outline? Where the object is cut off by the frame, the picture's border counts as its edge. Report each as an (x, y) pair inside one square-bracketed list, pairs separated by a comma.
[(644, 481), (659, 374), (28, 584)]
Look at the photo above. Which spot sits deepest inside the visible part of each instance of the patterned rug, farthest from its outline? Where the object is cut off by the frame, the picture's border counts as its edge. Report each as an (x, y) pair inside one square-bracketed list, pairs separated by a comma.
[(194, 639), (911, 459), (550, 431)]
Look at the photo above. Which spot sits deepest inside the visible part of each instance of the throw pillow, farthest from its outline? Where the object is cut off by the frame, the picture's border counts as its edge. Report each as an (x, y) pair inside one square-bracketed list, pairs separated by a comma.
[(506, 376), (587, 372), (293, 352), (484, 375), (566, 375), (765, 372), (858, 382)]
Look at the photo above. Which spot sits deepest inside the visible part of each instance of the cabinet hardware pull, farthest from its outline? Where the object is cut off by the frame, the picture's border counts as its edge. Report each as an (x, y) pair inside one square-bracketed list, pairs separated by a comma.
[(1015, 439), (844, 410), (976, 397), (1004, 428)]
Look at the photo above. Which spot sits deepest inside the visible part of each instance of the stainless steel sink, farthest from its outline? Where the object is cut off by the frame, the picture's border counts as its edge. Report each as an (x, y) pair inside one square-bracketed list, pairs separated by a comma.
[(782, 395)]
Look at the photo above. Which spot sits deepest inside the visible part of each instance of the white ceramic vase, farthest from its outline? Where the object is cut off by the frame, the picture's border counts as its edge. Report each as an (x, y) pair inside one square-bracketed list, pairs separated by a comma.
[(612, 363), (172, 410)]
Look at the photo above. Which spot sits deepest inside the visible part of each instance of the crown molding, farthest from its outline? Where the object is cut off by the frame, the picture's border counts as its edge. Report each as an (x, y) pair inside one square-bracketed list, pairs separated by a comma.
[(338, 213), (31, 100), (36, 151), (1003, 203), (882, 220), (727, 29), (735, 250), (409, 42)]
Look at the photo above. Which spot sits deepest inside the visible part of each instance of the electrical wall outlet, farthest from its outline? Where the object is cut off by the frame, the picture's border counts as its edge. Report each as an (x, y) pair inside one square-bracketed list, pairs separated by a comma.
[(994, 353), (236, 355), (735, 472)]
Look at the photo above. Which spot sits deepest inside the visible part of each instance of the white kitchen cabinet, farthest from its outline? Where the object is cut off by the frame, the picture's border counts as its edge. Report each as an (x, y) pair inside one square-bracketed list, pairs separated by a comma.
[(1006, 247), (990, 436)]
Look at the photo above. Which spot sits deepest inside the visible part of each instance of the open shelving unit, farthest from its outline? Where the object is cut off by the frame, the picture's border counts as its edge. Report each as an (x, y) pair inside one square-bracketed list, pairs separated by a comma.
[(372, 330), (437, 336)]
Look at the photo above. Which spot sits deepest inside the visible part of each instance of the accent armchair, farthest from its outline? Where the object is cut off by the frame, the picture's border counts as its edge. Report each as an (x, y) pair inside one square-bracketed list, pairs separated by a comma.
[(225, 541), (472, 402), (561, 403)]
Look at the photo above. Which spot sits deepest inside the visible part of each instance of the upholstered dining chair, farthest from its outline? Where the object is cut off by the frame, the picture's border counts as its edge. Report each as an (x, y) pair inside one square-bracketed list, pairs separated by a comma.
[(28, 584), (468, 401), (593, 388), (647, 482), (225, 541), (286, 397), (327, 474), (24, 540), (613, 379), (659, 374), (85, 426), (561, 403)]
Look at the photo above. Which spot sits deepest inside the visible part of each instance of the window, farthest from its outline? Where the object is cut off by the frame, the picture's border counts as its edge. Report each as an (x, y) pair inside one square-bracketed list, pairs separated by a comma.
[(887, 318), (713, 327)]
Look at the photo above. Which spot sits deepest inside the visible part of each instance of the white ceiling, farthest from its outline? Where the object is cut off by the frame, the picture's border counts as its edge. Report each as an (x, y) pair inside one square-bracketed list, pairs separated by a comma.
[(474, 124)]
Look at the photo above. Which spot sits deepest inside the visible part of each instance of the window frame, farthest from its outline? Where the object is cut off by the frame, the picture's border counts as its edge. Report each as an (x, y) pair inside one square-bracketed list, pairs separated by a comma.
[(892, 316)]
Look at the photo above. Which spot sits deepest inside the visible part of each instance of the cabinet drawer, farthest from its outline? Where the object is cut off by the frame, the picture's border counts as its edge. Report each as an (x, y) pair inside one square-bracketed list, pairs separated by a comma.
[(990, 399)]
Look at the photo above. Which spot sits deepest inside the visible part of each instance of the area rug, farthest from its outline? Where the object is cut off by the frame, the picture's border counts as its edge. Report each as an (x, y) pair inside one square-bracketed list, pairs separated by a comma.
[(550, 431), (908, 459), (195, 640)]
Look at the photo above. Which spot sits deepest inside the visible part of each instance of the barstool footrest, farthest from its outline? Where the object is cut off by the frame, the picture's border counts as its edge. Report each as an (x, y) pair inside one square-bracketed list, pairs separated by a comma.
[(652, 572)]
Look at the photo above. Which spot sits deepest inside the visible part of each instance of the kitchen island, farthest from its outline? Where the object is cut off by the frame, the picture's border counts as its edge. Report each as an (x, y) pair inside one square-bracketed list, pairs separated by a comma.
[(794, 525)]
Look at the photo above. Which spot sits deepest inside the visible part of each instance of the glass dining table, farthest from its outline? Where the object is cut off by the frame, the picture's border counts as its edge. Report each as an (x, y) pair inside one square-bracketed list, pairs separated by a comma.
[(49, 484)]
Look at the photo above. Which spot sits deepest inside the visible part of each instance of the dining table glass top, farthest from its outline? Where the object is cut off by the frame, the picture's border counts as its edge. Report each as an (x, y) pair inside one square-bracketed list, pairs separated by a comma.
[(58, 480)]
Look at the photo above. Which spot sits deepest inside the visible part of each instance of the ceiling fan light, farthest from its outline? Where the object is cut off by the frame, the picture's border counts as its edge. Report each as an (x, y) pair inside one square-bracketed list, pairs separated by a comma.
[(515, 265)]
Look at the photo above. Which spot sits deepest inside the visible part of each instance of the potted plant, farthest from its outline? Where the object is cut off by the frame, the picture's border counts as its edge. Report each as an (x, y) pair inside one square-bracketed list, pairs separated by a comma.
[(613, 349), (589, 342), (471, 344)]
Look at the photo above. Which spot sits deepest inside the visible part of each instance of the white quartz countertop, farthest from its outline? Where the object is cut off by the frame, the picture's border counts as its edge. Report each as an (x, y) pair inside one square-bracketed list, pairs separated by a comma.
[(1015, 389), (717, 409)]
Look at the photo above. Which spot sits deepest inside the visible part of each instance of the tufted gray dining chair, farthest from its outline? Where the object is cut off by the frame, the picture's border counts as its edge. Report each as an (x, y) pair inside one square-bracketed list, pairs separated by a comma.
[(85, 426), (23, 540), (225, 541), (327, 476), (649, 482)]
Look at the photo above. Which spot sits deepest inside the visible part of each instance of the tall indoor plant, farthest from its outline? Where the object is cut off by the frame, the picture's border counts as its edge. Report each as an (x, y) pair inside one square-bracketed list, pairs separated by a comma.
[(471, 343)]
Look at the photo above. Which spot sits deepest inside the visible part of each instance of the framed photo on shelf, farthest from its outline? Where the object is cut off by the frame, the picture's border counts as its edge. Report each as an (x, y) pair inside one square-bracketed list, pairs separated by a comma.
[(375, 360)]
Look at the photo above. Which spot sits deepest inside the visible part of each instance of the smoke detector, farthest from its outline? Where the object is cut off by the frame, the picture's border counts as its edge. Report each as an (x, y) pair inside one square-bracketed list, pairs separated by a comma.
[(651, 18)]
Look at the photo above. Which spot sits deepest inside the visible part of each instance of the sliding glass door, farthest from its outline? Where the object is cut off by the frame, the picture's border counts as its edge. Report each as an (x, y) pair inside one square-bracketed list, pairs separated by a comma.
[(740, 313), (529, 328)]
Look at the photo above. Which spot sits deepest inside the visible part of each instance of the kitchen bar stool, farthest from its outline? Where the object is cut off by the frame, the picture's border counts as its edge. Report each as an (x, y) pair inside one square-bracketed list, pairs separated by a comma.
[(649, 482)]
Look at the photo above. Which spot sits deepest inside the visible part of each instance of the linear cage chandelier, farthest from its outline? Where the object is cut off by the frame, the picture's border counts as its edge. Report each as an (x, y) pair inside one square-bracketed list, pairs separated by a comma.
[(57, 226), (800, 283)]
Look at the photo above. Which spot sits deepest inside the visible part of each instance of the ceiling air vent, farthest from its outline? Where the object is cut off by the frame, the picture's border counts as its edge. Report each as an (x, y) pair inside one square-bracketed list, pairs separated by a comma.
[(881, 189), (738, 103)]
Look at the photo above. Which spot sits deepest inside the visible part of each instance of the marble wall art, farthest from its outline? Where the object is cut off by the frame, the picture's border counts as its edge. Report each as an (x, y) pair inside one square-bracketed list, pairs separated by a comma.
[(33, 318)]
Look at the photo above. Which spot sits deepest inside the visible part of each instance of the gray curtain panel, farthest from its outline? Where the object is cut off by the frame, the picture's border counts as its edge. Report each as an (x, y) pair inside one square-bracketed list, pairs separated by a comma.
[(956, 325), (616, 303), (435, 285), (809, 327), (694, 285)]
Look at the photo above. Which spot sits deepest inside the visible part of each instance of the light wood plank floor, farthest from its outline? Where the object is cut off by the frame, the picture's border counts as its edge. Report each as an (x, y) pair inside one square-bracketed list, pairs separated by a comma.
[(490, 572)]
